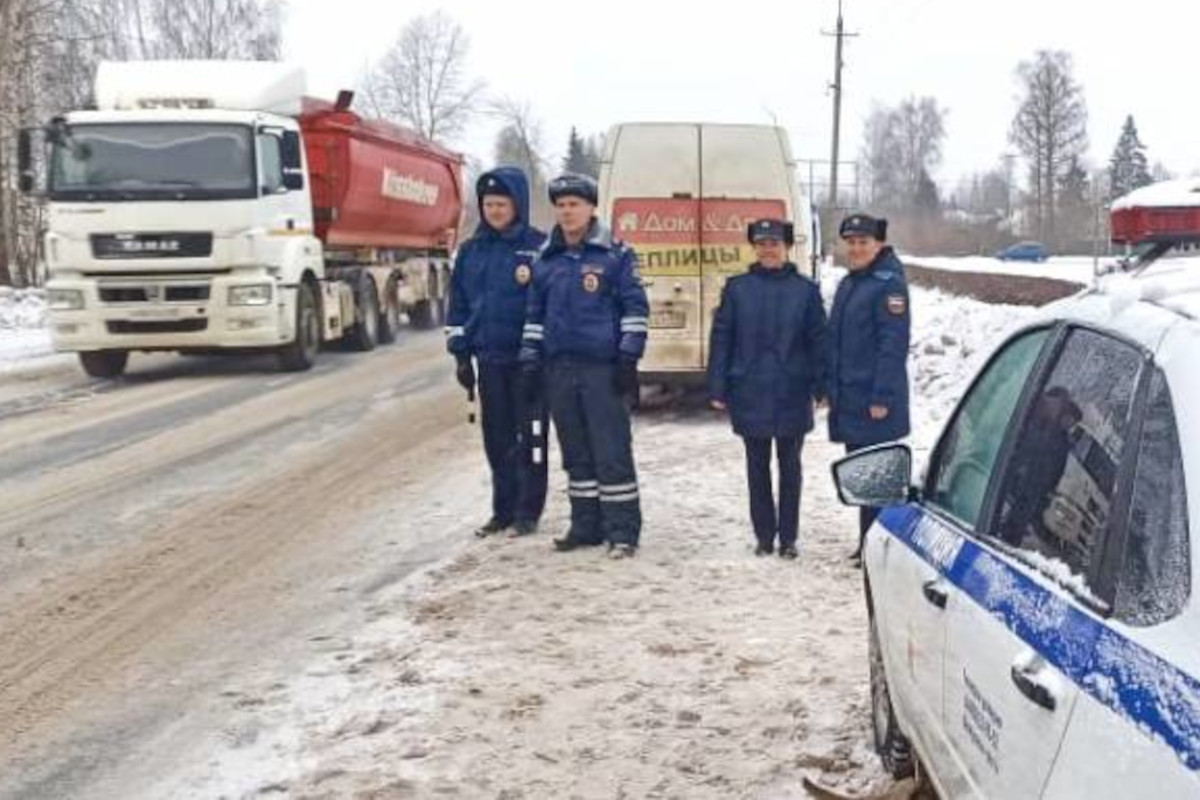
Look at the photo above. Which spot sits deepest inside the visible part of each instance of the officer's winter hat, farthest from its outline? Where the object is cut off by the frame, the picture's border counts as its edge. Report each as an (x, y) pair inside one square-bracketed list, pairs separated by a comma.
[(775, 229), (571, 184), (864, 225), (490, 184)]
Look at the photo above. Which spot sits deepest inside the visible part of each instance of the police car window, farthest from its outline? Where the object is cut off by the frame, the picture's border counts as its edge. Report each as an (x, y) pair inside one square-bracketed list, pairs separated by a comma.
[(1061, 480), (967, 452), (1155, 574)]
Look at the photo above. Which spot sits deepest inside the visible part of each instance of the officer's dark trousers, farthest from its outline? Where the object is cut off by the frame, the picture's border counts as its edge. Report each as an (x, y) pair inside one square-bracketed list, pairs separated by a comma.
[(768, 523), (518, 485), (592, 422), (866, 515)]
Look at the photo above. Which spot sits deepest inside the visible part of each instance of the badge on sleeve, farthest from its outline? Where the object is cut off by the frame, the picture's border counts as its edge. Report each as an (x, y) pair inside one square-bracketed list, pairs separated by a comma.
[(523, 275), (897, 304)]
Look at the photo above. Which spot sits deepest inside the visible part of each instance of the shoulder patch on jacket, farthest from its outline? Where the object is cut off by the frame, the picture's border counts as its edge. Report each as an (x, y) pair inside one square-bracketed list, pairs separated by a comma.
[(897, 305)]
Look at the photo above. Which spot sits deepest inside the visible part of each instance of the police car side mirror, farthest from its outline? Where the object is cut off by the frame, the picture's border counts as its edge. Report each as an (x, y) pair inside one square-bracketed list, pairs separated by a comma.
[(877, 477)]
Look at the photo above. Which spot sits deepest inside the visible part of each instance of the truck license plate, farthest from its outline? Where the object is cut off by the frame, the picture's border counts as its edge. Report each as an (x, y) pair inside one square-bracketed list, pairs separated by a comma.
[(668, 319), (155, 314)]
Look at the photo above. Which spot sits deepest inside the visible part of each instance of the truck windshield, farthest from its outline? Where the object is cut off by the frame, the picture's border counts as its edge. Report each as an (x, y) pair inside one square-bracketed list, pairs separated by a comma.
[(153, 161)]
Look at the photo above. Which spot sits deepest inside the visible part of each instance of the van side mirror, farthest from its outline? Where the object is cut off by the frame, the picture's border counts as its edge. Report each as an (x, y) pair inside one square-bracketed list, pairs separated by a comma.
[(293, 162), (877, 477), (26, 176)]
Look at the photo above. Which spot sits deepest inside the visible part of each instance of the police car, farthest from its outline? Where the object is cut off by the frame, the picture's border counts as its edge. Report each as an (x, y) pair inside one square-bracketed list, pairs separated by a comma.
[(1033, 625)]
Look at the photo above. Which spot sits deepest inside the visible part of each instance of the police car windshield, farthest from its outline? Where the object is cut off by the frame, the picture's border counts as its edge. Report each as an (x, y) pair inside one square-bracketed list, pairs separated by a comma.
[(152, 161)]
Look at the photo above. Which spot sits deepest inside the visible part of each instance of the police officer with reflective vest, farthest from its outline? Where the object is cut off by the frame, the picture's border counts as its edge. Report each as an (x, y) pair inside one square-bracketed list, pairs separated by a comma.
[(585, 331), (767, 367), (869, 328), (488, 294)]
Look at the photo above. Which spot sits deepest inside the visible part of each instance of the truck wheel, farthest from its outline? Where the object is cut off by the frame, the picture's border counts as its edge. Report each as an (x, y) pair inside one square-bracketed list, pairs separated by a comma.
[(422, 315), (893, 746), (300, 354), (104, 363), (389, 316), (365, 334)]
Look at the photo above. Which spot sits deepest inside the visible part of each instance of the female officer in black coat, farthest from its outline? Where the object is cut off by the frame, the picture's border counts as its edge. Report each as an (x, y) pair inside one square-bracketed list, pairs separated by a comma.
[(767, 366)]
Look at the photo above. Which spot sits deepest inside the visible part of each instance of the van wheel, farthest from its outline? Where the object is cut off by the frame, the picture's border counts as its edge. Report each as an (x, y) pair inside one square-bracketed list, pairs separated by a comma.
[(892, 745), (301, 353), (365, 334), (104, 363)]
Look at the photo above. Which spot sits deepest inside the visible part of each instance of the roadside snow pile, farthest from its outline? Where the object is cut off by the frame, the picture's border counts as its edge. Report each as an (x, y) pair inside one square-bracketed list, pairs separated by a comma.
[(23, 334), (22, 308), (952, 337)]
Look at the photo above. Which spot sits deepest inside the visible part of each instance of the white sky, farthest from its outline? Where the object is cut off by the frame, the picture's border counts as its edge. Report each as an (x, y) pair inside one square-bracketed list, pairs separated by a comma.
[(594, 64)]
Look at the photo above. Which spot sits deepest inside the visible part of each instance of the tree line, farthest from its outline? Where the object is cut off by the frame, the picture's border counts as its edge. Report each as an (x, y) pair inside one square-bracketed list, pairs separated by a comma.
[(49, 50), (1044, 189)]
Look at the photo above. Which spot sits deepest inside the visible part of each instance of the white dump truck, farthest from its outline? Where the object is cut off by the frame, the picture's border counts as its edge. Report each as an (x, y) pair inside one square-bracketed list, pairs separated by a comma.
[(214, 207)]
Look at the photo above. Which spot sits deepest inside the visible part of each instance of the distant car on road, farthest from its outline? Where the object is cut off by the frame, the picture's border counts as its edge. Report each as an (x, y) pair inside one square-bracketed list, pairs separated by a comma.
[(1024, 251)]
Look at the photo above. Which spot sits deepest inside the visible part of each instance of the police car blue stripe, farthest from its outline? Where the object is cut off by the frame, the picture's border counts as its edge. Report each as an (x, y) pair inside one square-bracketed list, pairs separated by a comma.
[(1158, 697)]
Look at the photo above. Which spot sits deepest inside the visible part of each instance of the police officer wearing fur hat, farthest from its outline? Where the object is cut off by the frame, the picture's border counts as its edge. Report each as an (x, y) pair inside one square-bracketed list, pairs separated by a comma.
[(767, 366), (585, 330), (869, 329), (484, 323)]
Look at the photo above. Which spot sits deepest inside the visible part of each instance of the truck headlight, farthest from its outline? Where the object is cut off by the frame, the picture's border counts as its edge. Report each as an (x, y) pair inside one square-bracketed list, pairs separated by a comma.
[(257, 295), (64, 299)]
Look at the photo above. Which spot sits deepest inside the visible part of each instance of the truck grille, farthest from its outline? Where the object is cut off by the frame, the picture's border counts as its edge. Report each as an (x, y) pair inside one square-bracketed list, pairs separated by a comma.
[(111, 246), (154, 293), (168, 326)]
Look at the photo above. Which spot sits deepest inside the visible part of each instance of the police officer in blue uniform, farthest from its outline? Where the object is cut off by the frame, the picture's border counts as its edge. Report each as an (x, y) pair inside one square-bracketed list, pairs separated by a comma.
[(488, 290), (766, 367), (585, 331), (869, 328)]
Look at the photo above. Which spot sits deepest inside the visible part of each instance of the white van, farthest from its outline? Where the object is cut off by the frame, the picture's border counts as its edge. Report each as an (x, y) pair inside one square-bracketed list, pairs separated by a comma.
[(682, 195)]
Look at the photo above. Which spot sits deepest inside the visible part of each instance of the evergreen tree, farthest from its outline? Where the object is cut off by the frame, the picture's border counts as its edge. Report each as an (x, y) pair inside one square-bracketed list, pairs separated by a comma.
[(1128, 168)]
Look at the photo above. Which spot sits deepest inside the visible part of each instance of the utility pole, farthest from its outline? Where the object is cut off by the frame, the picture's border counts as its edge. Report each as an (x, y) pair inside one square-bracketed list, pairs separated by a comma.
[(840, 34), (1009, 159)]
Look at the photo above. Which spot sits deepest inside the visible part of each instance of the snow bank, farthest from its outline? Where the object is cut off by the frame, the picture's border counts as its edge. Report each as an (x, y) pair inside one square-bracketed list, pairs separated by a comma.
[(952, 338), (23, 334)]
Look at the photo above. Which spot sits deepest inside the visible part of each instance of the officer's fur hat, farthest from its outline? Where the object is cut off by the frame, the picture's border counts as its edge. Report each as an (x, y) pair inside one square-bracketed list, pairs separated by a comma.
[(777, 229), (864, 225)]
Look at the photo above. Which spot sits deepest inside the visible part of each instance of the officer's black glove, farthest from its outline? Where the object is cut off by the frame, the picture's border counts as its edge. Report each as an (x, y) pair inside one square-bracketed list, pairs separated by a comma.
[(465, 373), (531, 382), (627, 376)]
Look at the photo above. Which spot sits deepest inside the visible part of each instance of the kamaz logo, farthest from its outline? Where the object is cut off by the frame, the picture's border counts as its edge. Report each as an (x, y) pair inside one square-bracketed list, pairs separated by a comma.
[(409, 188)]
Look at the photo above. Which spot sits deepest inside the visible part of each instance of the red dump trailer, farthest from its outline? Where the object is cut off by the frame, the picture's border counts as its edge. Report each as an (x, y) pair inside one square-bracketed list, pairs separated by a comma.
[(385, 199)]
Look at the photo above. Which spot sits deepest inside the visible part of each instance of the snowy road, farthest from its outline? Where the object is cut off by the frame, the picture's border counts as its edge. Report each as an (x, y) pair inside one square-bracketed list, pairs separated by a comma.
[(220, 581)]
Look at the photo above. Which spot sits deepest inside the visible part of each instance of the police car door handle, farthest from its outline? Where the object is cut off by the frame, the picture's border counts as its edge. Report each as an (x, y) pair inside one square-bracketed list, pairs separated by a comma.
[(1027, 681), (935, 592)]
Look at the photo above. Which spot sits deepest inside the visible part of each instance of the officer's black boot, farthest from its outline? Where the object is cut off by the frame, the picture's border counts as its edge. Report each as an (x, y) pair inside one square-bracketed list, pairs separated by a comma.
[(524, 527), (492, 527), (569, 542)]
